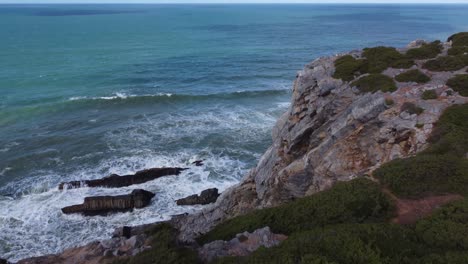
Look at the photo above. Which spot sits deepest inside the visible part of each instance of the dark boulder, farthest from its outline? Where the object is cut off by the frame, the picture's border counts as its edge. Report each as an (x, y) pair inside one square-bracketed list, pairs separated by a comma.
[(103, 205), (116, 181), (206, 197), (3, 261), (198, 163)]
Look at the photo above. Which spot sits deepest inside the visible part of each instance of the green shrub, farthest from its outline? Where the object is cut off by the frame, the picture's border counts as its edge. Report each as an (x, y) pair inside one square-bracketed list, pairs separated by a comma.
[(357, 201), (344, 244), (413, 76), (347, 68), (164, 249), (455, 51), (402, 64), (447, 228), (442, 168), (411, 108), (380, 58), (459, 39), (419, 125), (459, 83), (450, 136), (389, 101), (426, 51), (425, 174), (375, 82), (445, 63), (429, 95)]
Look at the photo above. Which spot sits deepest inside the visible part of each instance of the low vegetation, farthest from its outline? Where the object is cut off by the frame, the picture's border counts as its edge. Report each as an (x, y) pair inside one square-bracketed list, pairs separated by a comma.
[(429, 95), (347, 68), (413, 76), (444, 63), (459, 39), (442, 168), (426, 51), (381, 58), (164, 249), (411, 108), (459, 83), (375, 82), (356, 201)]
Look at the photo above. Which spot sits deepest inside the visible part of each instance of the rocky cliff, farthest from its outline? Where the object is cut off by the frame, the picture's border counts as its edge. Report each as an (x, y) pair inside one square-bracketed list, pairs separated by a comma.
[(333, 132)]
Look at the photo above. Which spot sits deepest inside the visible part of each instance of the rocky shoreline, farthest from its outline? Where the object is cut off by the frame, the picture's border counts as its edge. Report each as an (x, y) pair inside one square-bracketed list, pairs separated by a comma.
[(332, 132)]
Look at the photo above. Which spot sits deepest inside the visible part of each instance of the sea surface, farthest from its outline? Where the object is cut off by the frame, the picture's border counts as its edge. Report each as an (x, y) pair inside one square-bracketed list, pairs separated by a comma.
[(91, 90)]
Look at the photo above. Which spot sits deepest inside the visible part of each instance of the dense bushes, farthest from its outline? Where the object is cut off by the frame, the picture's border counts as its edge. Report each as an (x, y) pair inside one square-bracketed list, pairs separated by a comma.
[(380, 58), (444, 63), (440, 238), (459, 83), (426, 51), (356, 201), (347, 67), (429, 95), (447, 228), (425, 174), (442, 168), (413, 76), (411, 108), (375, 61), (459, 39), (375, 82)]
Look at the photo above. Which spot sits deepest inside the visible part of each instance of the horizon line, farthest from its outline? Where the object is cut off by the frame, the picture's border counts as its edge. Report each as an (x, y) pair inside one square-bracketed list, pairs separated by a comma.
[(236, 3)]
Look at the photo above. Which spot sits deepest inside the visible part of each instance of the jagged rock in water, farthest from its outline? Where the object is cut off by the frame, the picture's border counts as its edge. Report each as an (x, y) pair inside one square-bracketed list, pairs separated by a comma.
[(206, 197), (331, 132), (103, 205), (116, 181), (198, 163), (242, 245)]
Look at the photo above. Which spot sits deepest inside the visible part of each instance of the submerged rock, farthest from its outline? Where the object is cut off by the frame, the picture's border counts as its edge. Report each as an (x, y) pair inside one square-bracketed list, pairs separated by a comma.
[(116, 181), (103, 205), (206, 197)]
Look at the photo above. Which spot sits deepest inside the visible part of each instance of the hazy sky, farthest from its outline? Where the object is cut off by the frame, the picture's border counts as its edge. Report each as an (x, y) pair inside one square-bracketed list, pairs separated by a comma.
[(234, 1)]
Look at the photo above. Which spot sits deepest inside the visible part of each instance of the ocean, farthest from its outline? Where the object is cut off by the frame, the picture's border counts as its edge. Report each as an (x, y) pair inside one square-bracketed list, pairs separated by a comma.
[(91, 90)]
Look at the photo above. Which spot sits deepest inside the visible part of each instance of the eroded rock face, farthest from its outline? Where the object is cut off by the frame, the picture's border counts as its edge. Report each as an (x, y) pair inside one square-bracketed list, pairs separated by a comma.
[(116, 181), (206, 197), (103, 205), (331, 132), (242, 245)]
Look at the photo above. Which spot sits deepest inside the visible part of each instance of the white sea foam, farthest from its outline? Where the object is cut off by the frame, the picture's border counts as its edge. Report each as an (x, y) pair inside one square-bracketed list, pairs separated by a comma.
[(117, 95)]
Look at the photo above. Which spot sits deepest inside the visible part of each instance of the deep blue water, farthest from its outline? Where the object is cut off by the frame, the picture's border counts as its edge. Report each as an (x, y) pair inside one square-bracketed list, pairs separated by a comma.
[(90, 90)]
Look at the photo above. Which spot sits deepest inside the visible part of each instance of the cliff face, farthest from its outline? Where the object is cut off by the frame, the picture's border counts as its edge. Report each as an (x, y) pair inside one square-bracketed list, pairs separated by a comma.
[(331, 132)]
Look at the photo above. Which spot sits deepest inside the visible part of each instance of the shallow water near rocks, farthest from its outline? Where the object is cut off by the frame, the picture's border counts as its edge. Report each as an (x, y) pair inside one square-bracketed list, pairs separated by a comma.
[(91, 90)]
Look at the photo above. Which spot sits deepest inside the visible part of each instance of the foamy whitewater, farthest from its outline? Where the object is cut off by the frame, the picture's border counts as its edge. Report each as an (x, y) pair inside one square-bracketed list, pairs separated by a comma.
[(91, 90)]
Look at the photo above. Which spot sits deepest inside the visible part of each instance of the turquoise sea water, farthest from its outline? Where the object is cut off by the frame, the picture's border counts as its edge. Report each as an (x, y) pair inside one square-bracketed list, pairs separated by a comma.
[(90, 90)]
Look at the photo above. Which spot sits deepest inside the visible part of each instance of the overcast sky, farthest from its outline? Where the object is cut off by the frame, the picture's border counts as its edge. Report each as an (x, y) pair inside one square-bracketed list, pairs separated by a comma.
[(234, 1)]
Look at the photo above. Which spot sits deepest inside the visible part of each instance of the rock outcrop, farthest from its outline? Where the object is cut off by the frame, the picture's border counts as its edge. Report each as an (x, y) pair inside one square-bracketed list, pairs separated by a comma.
[(331, 132), (103, 205), (242, 245), (116, 181), (206, 197)]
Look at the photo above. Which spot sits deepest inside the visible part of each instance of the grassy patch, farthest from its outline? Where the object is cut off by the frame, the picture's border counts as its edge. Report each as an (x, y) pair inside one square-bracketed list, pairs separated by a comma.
[(389, 101), (413, 76), (347, 68), (411, 108), (426, 51), (444, 63), (356, 201), (440, 169), (429, 95), (459, 83), (164, 249), (375, 82)]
